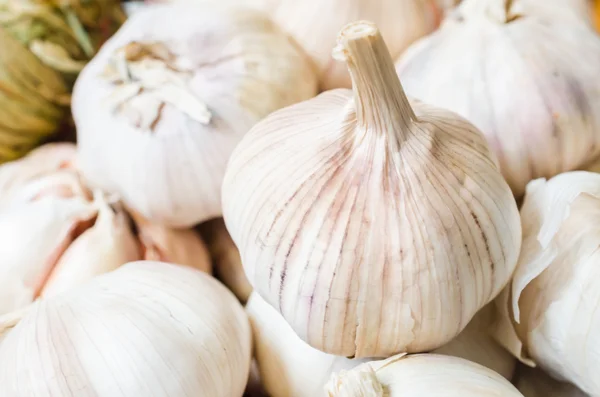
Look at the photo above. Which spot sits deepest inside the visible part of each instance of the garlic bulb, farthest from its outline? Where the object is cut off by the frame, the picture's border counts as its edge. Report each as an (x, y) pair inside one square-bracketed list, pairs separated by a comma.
[(44, 45), (161, 107), (580, 10), (145, 329), (418, 376), (476, 344), (536, 103), (315, 24), (375, 225), (550, 305), (535, 383), (226, 258), (179, 246), (288, 366)]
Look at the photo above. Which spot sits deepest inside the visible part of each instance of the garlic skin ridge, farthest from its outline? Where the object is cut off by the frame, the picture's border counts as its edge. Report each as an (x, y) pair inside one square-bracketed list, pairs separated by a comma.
[(351, 258), (164, 330), (525, 96), (137, 139), (550, 303)]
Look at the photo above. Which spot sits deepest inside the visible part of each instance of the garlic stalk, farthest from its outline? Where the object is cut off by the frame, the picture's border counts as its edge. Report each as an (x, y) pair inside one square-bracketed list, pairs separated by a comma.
[(535, 383), (162, 106), (315, 25), (375, 225), (549, 307), (418, 376), (145, 329), (179, 246), (226, 258), (527, 97)]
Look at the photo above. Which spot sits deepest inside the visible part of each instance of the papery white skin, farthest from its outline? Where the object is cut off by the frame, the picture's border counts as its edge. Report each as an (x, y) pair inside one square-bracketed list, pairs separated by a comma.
[(535, 383), (550, 305), (244, 67), (179, 246), (420, 375), (373, 227), (288, 366), (104, 247), (34, 237), (145, 329), (518, 81), (226, 258)]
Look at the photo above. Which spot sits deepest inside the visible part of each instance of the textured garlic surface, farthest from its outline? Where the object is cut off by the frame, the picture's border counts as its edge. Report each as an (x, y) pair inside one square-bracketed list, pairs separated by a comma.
[(375, 225), (316, 23), (288, 366), (535, 383), (420, 375), (537, 103), (146, 329), (551, 303), (162, 106)]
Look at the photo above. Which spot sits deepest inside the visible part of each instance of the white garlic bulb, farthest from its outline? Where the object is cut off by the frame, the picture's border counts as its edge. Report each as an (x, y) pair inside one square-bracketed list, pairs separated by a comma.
[(315, 24), (288, 366), (226, 258), (145, 329), (535, 383), (475, 343), (375, 225), (162, 105), (420, 375), (551, 302), (536, 103)]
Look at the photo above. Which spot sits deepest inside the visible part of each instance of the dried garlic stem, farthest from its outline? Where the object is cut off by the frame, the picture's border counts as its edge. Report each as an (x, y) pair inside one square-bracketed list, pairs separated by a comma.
[(381, 103)]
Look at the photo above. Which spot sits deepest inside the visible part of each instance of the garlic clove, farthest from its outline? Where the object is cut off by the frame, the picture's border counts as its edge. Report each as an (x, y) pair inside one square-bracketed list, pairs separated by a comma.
[(179, 246), (226, 258), (420, 375), (145, 329), (36, 235), (552, 299), (375, 225), (186, 95), (535, 383), (526, 97), (288, 366), (100, 249)]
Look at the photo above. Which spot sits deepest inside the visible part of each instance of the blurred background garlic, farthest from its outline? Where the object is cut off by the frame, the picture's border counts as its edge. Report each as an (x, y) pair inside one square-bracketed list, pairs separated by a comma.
[(146, 329), (536, 103), (551, 304), (420, 375), (161, 107), (375, 225), (226, 258), (536, 383), (45, 44), (316, 23)]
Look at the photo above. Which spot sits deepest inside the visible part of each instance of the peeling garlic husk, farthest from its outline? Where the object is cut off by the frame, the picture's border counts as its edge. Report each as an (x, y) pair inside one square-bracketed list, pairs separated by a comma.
[(145, 329), (375, 225), (226, 258), (475, 343), (316, 23), (291, 368), (549, 306), (179, 246), (535, 383), (288, 366), (536, 103), (420, 375), (161, 107)]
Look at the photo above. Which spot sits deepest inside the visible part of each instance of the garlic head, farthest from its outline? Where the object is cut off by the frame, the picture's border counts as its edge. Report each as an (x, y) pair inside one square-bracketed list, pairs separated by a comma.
[(375, 225), (536, 103), (420, 375), (145, 329), (162, 106), (551, 303)]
